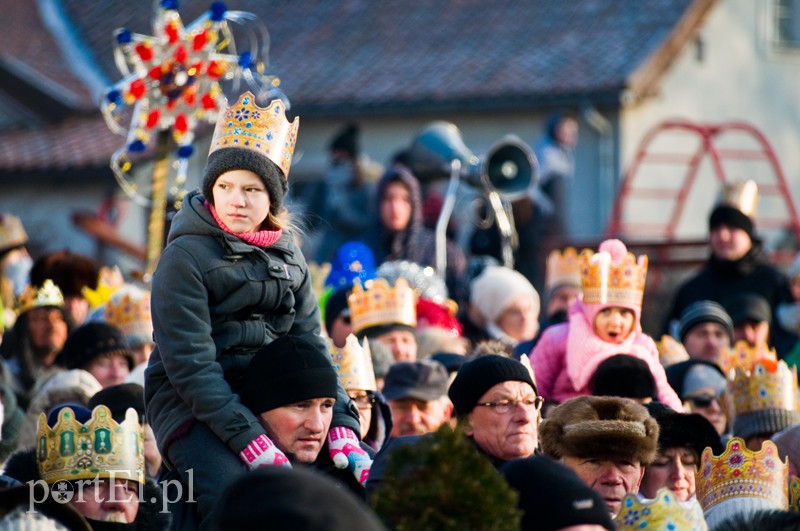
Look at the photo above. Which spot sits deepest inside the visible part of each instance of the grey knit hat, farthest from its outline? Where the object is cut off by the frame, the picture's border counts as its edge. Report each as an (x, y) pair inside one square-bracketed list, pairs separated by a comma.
[(704, 312), (764, 421)]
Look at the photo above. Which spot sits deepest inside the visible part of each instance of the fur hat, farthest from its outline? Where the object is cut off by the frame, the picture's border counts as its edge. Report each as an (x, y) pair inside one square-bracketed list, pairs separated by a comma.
[(288, 370), (600, 427), (478, 375), (497, 287), (69, 271), (93, 340), (228, 159)]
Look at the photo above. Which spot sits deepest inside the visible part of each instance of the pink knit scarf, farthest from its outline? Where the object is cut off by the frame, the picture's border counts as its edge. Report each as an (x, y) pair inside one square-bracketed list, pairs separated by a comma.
[(262, 238)]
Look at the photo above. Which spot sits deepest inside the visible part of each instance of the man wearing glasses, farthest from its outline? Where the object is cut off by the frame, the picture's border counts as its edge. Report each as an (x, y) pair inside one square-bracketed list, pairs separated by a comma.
[(496, 402)]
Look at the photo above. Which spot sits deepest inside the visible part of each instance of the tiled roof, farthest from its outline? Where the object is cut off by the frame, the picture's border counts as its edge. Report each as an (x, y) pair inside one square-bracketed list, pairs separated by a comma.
[(371, 54)]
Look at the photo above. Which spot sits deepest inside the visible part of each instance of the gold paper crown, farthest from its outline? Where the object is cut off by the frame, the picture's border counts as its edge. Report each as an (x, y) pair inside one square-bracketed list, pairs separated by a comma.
[(604, 282), (662, 513), (671, 351), (742, 473), (563, 269), (101, 448), (12, 233), (742, 196), (744, 356), (33, 297), (109, 281), (794, 494), (769, 384), (353, 362), (129, 310), (381, 304), (264, 131)]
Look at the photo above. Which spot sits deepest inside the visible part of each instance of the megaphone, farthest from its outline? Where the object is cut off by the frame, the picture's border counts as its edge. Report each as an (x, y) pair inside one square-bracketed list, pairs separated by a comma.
[(508, 169), (509, 166)]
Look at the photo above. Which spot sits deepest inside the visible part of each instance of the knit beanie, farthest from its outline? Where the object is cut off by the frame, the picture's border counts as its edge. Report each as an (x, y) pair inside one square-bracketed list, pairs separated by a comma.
[(764, 421), (625, 376), (746, 306), (292, 498), (704, 312), (227, 159), (91, 341), (477, 376), (118, 398), (703, 374), (346, 140), (732, 217), (288, 370), (497, 287), (553, 497), (335, 304)]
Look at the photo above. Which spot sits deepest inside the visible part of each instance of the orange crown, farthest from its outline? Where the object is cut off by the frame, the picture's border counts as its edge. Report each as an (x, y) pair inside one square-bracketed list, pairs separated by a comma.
[(605, 280), (381, 304), (742, 473), (769, 385), (353, 362), (563, 269), (265, 131), (743, 356)]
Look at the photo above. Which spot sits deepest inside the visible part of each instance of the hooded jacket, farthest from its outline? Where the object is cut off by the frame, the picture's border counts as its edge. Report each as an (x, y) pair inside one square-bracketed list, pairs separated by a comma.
[(216, 300)]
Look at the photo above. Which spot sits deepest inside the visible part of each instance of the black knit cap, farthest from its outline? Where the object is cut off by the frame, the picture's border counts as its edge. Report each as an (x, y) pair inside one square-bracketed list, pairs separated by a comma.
[(732, 217), (684, 429), (91, 341), (346, 140), (118, 398), (625, 376), (228, 159), (746, 306), (335, 305), (477, 376), (552, 496), (288, 370)]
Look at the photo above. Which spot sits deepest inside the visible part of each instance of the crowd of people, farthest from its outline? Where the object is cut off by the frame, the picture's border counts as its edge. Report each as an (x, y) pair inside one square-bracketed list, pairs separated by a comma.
[(241, 389)]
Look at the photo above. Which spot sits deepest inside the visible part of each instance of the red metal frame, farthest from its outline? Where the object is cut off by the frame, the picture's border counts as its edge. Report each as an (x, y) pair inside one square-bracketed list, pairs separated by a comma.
[(707, 133)]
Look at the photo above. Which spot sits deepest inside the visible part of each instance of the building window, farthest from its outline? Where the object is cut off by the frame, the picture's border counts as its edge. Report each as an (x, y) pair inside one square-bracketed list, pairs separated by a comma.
[(786, 19)]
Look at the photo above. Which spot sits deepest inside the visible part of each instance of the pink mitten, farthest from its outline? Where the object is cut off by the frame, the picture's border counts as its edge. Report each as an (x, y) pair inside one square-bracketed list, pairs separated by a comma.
[(262, 452), (346, 453)]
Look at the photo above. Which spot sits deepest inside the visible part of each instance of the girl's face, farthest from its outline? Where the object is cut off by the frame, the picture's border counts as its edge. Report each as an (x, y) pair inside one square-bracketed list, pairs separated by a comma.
[(614, 324), (241, 200)]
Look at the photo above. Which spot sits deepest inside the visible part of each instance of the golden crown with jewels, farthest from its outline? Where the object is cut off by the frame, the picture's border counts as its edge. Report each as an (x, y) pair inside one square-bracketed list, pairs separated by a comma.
[(769, 384), (108, 282), (353, 362), (129, 310), (663, 512), (382, 304), (265, 131), (741, 473), (33, 297), (99, 448), (563, 269), (794, 494), (743, 356), (607, 282)]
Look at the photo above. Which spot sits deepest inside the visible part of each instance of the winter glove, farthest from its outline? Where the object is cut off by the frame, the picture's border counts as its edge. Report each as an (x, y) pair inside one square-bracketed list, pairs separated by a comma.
[(263, 452), (346, 452)]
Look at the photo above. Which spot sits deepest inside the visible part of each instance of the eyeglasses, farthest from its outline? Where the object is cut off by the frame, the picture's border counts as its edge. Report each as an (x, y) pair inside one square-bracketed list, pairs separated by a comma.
[(363, 401), (504, 406), (702, 400)]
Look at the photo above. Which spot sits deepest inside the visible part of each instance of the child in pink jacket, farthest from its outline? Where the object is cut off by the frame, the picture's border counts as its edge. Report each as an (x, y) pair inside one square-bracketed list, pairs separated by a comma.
[(605, 322)]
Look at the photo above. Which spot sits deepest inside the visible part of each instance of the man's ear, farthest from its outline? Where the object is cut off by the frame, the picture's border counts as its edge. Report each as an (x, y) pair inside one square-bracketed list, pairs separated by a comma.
[(466, 423), (641, 476), (448, 409)]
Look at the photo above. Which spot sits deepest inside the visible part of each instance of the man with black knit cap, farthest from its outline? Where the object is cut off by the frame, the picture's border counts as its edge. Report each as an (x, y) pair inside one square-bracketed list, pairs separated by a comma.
[(291, 386), (737, 264)]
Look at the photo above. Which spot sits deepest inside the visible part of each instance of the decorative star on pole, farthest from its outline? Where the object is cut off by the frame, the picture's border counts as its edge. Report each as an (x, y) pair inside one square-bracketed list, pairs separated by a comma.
[(171, 84)]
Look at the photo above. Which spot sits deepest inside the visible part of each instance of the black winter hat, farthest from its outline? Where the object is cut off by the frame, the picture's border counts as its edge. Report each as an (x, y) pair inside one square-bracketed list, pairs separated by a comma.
[(677, 373), (625, 376), (91, 341), (732, 217), (118, 398), (288, 370), (477, 376), (704, 312), (748, 306), (335, 305), (346, 140), (553, 497), (684, 429), (228, 159), (292, 498)]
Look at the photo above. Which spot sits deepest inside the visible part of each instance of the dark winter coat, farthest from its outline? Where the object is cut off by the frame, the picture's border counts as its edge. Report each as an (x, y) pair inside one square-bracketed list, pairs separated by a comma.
[(216, 300)]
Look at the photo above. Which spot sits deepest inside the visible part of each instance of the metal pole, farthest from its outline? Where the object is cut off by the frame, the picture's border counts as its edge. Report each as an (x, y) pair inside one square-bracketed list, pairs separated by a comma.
[(444, 217), (158, 199)]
